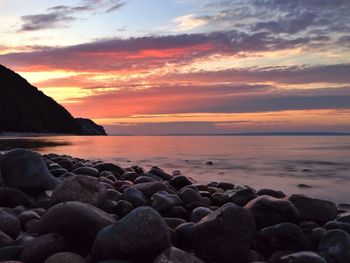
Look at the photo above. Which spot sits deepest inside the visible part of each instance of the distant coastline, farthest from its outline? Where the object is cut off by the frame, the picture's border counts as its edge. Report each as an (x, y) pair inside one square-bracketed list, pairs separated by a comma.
[(246, 134)]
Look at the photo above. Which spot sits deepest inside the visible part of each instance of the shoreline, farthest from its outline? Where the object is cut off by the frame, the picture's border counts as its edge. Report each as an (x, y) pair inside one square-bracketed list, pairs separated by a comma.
[(160, 217)]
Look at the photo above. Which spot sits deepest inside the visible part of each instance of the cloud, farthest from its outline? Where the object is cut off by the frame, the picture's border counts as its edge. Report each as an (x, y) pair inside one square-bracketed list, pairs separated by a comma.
[(62, 15), (187, 22)]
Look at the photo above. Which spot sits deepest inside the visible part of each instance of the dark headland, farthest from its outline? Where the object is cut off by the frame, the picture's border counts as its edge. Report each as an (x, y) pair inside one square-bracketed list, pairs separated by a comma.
[(25, 109), (57, 209)]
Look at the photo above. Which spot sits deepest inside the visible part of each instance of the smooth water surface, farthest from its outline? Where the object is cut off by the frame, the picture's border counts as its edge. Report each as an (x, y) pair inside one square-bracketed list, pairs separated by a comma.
[(280, 162)]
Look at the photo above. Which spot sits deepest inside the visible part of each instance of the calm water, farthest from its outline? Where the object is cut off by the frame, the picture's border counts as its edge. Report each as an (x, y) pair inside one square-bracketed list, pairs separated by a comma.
[(259, 161)]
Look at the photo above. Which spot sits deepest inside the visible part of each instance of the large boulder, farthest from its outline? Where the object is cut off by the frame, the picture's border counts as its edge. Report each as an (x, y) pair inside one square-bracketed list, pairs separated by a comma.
[(270, 211), (78, 222), (224, 235), (140, 235), (25, 170), (312, 209), (335, 246), (12, 197), (82, 188)]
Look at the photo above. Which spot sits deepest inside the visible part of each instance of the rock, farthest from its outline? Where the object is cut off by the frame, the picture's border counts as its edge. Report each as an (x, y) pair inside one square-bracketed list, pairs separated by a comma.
[(302, 257), (225, 186), (160, 173), (9, 224), (237, 196), (42, 247), (148, 189), (65, 257), (319, 211), (304, 186), (130, 176), (123, 208), (25, 216), (198, 213), (316, 235), (78, 222), (163, 201), (284, 236), (344, 217), (135, 197), (66, 164), (175, 255), (173, 222), (184, 233), (144, 179), (335, 246), (177, 211), (224, 234), (82, 188), (11, 197), (32, 226), (271, 192), (58, 172), (140, 235), (5, 240), (270, 211), (25, 170), (209, 163), (189, 196), (10, 253), (115, 169), (86, 171), (180, 181), (337, 225)]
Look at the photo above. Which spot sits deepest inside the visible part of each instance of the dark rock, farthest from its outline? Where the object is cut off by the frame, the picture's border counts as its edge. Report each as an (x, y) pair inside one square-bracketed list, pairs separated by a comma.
[(184, 234), (271, 192), (58, 172), (222, 235), (319, 211), (25, 216), (180, 181), (130, 176), (209, 163), (160, 173), (284, 236), (142, 234), (189, 195), (115, 169), (344, 217), (86, 171), (148, 189), (42, 247), (337, 225), (335, 246), (175, 255), (25, 170), (9, 224), (163, 201), (225, 186), (240, 196), (32, 226), (65, 257), (5, 240), (304, 186), (66, 164), (303, 257), (123, 208), (270, 211), (173, 222), (82, 188), (11, 197), (177, 211), (144, 179), (135, 197), (77, 222), (198, 213), (316, 235), (10, 253)]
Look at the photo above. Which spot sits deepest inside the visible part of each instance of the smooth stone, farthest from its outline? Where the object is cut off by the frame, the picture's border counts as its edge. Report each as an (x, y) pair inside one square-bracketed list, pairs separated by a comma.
[(344, 217), (148, 189), (189, 195), (271, 192), (42, 247), (335, 246), (222, 235), (142, 234), (173, 222), (58, 172), (25, 170), (163, 201), (175, 255), (10, 253), (135, 197), (284, 236), (5, 240), (237, 196), (66, 164), (82, 188), (303, 257), (54, 166), (32, 226), (12, 197), (225, 186), (160, 173), (184, 233), (25, 216), (113, 168), (337, 225), (123, 208), (317, 234), (113, 195), (319, 211), (78, 222), (198, 213), (86, 171), (270, 211), (180, 181), (130, 176), (9, 224), (144, 179), (65, 257), (177, 211)]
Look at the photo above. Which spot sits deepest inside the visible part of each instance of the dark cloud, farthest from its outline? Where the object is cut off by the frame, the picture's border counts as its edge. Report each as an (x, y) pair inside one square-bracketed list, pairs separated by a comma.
[(62, 15)]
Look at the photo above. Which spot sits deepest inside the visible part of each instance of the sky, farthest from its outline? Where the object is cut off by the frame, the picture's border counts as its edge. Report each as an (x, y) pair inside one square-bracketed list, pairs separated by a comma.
[(186, 66)]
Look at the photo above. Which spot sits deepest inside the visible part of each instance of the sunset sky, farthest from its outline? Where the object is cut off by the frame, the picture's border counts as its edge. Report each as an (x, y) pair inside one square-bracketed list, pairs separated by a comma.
[(186, 66)]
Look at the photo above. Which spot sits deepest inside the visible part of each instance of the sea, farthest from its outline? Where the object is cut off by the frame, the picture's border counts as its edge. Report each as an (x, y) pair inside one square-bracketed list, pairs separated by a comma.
[(316, 166)]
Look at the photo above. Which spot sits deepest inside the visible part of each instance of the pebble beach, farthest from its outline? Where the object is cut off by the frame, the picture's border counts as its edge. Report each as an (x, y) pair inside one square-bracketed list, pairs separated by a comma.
[(61, 209)]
